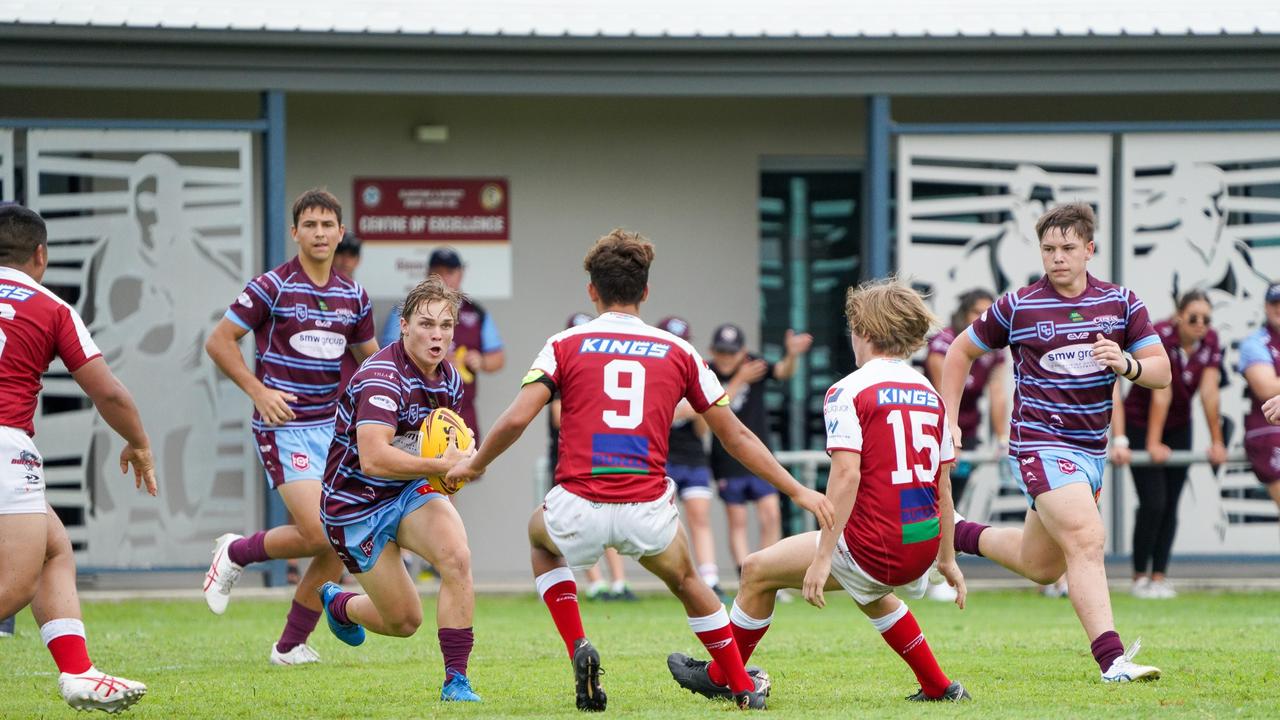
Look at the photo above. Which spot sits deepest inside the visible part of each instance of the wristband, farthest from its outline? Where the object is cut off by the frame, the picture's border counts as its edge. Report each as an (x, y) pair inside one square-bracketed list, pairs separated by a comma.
[(1138, 374), (1120, 441), (1128, 366)]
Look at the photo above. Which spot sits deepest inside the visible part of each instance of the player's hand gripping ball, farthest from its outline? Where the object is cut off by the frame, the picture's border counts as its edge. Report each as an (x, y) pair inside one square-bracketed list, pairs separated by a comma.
[(440, 424)]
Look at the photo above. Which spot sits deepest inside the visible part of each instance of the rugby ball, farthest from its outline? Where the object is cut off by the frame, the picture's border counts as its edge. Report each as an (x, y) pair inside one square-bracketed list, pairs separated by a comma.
[(434, 439)]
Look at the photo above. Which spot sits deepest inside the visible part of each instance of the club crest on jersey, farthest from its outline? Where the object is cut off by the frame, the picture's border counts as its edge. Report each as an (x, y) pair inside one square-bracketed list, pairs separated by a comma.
[(1107, 323), (1066, 467), (1046, 329), (300, 461), (632, 348), (300, 312)]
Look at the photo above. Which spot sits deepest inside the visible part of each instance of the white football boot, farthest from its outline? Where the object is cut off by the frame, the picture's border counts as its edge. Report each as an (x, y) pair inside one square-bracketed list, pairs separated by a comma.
[(222, 575), (94, 690), (1124, 669), (299, 655)]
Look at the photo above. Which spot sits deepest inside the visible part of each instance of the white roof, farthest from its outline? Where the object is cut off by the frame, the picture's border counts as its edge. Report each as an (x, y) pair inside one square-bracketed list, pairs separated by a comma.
[(670, 18)]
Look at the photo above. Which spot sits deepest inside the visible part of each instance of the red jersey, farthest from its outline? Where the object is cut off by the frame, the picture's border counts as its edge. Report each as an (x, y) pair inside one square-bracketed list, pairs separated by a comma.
[(619, 382), (888, 412), (36, 326)]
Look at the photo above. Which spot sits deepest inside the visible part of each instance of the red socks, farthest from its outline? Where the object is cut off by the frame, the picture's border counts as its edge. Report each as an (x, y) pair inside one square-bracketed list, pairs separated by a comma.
[(716, 635), (560, 593), (65, 640), (747, 632), (900, 630)]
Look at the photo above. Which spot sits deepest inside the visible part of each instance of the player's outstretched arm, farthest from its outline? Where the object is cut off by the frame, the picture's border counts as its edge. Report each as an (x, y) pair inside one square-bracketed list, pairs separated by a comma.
[(506, 430), (380, 459), (223, 347), (115, 404), (955, 371), (743, 445), (947, 531), (842, 491)]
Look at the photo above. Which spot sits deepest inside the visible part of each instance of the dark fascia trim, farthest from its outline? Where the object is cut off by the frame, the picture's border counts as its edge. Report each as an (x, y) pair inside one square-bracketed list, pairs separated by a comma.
[(636, 43)]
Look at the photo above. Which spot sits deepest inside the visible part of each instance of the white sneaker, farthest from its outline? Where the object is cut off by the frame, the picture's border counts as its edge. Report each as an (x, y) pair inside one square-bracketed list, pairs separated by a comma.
[(1141, 588), (299, 655), (93, 690), (222, 575), (1124, 669), (1162, 589)]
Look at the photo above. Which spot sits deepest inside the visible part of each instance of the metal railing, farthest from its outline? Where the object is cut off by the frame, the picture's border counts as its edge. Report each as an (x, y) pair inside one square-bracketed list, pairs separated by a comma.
[(809, 462)]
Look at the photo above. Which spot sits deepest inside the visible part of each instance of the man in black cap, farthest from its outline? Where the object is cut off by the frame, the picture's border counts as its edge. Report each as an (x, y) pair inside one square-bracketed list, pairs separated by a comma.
[(744, 376), (346, 257), (477, 346)]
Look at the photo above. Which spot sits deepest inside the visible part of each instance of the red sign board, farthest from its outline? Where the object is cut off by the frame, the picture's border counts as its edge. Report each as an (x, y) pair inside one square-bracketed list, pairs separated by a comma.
[(432, 209)]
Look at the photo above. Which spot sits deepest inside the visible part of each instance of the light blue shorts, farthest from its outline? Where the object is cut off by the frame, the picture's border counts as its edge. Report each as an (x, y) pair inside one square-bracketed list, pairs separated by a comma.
[(1044, 470), (360, 543), (290, 454)]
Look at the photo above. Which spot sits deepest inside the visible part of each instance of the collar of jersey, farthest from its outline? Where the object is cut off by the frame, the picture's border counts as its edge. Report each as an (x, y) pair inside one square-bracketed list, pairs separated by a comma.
[(12, 273)]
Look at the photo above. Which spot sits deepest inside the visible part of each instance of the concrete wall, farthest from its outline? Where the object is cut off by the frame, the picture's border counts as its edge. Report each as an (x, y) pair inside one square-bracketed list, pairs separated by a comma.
[(577, 169)]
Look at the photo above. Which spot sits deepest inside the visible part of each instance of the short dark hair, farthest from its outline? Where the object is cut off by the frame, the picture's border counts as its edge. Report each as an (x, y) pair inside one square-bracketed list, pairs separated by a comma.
[(619, 266), (313, 199), (1072, 216), (22, 230)]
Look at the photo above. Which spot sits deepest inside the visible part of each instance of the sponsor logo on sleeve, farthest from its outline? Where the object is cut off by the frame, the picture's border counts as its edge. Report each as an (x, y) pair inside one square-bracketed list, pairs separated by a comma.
[(244, 300), (384, 402)]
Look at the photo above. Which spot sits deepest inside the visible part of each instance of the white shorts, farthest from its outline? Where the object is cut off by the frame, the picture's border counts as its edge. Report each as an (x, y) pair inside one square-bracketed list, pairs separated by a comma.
[(21, 474), (582, 529), (863, 588)]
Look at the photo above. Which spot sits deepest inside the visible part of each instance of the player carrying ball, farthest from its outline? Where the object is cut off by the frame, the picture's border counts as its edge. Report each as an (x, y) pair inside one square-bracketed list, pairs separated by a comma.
[(375, 494), (620, 381), (891, 453)]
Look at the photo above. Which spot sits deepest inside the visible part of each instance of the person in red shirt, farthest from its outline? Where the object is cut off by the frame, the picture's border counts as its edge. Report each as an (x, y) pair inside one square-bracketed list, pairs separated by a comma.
[(891, 453), (37, 567), (1160, 420), (619, 382)]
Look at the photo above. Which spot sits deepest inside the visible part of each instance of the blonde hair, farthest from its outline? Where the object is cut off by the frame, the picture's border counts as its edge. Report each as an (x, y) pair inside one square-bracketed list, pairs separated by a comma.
[(430, 290), (892, 316)]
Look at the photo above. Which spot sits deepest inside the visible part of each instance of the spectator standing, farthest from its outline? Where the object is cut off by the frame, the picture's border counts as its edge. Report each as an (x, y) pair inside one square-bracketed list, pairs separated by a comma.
[(477, 346), (1160, 421)]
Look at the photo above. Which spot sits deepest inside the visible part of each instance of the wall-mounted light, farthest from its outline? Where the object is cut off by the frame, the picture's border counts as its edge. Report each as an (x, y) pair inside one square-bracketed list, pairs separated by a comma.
[(431, 133)]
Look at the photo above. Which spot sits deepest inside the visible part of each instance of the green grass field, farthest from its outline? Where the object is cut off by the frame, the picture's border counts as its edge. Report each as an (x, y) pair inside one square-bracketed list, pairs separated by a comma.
[(1020, 655)]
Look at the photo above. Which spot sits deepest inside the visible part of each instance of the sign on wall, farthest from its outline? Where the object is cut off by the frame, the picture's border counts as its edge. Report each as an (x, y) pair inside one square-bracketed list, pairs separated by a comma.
[(151, 233), (402, 220)]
